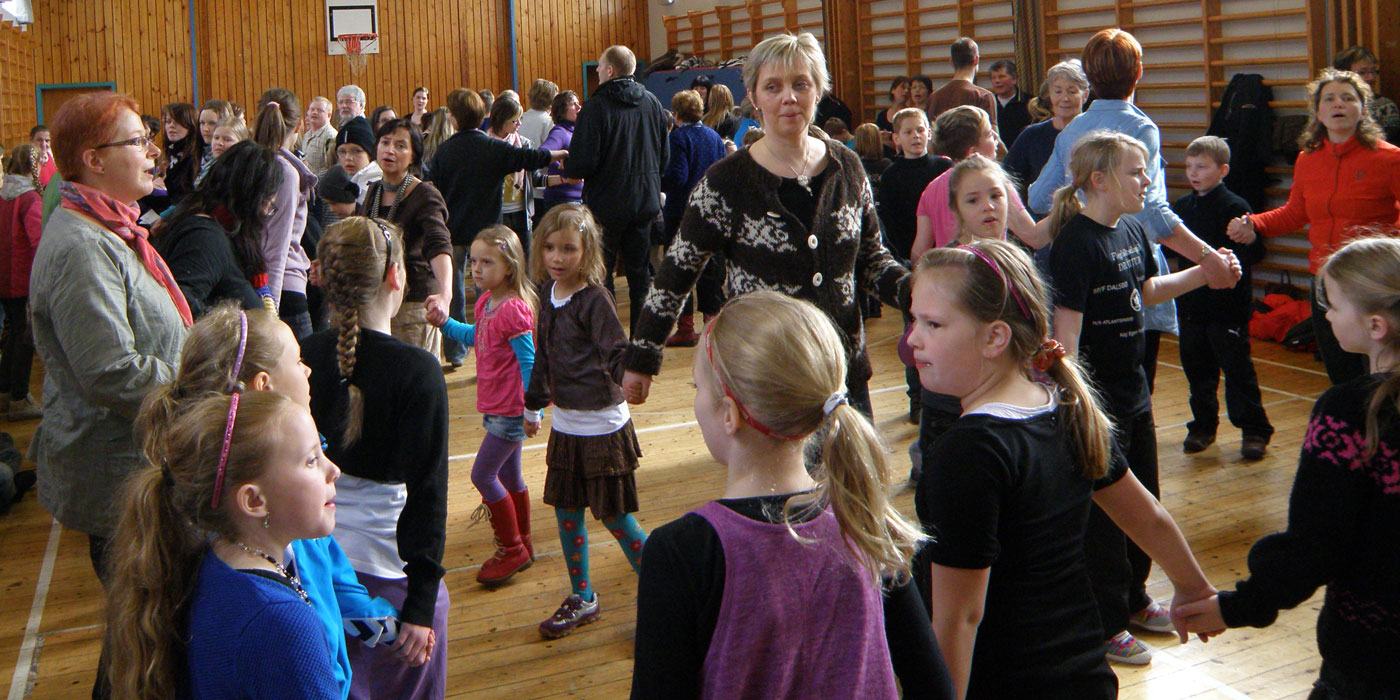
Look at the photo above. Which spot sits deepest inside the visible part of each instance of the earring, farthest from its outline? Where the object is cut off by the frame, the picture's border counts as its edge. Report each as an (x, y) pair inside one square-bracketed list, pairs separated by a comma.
[(266, 518)]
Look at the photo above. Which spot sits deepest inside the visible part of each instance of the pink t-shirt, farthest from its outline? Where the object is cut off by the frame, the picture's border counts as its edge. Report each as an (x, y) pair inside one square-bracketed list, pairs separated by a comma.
[(499, 388), (933, 203)]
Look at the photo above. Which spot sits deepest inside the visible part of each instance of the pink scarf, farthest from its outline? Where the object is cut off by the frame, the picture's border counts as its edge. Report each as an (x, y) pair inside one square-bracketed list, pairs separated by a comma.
[(120, 219)]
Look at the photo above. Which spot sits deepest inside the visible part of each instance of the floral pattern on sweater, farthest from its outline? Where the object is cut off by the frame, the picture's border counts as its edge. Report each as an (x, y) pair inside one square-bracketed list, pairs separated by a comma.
[(735, 211), (1331, 439)]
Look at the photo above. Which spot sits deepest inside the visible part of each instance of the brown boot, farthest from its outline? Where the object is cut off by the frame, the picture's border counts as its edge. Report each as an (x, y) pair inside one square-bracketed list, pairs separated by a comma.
[(684, 337), (510, 556), (521, 500)]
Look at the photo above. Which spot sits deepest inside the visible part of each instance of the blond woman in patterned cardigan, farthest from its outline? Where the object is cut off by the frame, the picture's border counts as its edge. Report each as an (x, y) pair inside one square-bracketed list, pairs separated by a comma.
[(793, 213)]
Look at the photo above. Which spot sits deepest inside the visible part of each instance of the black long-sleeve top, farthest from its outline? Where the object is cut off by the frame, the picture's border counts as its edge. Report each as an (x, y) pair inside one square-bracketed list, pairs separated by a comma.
[(404, 440), (1343, 524), (1208, 216), (678, 607), (201, 258), (469, 170), (901, 185)]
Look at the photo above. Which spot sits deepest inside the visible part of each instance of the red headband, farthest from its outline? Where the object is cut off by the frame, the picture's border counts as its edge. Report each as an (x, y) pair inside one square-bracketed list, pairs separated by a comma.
[(710, 353)]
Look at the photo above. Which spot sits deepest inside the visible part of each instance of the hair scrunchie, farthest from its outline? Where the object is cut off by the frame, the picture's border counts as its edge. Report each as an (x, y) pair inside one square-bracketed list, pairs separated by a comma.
[(837, 398), (1049, 352)]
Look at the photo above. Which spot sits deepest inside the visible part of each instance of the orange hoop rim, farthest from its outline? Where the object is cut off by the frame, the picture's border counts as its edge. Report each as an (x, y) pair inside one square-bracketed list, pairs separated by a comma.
[(352, 42)]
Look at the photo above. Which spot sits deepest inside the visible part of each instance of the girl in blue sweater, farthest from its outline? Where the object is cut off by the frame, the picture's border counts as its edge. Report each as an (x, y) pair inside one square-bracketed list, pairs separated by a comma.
[(205, 602), (209, 364)]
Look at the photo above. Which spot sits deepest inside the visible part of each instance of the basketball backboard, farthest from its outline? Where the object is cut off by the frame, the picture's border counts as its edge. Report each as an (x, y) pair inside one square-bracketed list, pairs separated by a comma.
[(351, 17)]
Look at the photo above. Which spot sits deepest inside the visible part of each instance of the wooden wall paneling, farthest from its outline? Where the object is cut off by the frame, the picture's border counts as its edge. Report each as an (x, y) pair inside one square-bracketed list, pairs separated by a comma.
[(18, 59)]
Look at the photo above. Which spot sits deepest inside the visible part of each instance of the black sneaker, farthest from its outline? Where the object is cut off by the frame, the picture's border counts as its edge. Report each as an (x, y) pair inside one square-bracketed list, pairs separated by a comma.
[(1253, 447), (1196, 442)]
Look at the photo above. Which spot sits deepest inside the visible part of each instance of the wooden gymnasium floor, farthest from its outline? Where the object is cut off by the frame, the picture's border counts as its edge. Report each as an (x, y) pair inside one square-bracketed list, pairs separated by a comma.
[(51, 603)]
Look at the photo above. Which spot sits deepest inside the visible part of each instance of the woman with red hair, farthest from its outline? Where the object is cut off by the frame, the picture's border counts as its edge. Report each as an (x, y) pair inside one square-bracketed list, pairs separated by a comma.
[(107, 316)]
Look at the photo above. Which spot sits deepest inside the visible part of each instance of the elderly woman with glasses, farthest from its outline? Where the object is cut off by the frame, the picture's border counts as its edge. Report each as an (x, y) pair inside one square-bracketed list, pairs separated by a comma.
[(107, 315)]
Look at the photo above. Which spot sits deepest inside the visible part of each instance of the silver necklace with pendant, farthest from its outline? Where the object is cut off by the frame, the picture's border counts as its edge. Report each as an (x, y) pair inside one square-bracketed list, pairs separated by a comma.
[(804, 180)]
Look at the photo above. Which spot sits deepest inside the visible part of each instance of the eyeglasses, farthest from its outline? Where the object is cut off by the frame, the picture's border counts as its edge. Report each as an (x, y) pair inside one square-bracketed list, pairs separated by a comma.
[(141, 142)]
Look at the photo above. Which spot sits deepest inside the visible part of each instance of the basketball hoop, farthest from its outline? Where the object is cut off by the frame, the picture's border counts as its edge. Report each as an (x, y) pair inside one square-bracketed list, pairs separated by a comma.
[(354, 46)]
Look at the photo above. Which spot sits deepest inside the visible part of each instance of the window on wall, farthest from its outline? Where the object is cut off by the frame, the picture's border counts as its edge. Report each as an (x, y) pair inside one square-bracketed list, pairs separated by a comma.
[(1191, 49), (729, 31), (16, 12), (911, 37)]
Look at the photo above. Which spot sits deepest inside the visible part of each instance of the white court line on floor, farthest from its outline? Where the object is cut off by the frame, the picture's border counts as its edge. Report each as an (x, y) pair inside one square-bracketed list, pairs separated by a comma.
[(643, 431), (1275, 363), (20, 682)]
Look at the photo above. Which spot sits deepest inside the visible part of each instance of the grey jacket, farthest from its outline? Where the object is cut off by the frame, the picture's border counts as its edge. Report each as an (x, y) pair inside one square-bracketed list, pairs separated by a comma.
[(107, 333)]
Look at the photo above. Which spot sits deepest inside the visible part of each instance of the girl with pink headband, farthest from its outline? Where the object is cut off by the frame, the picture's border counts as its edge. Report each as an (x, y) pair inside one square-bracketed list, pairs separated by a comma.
[(1008, 488)]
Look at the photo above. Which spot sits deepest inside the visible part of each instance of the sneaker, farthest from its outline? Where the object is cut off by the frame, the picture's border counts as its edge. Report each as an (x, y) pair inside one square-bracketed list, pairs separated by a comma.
[(1153, 618), (574, 612), (1253, 447), (1196, 442), (1126, 649), (25, 409)]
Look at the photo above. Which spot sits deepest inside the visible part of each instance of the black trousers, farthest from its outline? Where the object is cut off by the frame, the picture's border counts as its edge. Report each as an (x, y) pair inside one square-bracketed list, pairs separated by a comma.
[(631, 240), (17, 359), (295, 313), (1207, 349), (98, 549), (1118, 569), (1342, 366), (518, 222)]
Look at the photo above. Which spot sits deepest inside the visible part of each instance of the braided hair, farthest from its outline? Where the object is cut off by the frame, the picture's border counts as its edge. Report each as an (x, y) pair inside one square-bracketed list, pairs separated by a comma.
[(355, 256)]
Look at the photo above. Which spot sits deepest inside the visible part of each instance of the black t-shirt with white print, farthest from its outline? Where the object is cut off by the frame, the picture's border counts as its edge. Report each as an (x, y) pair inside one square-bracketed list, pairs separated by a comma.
[(1099, 271)]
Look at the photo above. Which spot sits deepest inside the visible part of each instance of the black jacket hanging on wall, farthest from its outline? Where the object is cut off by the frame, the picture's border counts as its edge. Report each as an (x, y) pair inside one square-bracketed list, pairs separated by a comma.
[(1246, 122)]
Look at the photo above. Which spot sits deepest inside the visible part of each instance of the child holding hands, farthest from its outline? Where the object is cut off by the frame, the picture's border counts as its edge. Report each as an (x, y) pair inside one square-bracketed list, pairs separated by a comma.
[(505, 318), (593, 448), (1104, 272), (1344, 512), (1214, 323), (1008, 490)]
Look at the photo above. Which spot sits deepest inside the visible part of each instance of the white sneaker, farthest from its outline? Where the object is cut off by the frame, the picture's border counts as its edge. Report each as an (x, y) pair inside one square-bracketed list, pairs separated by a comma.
[(1126, 649), (25, 409)]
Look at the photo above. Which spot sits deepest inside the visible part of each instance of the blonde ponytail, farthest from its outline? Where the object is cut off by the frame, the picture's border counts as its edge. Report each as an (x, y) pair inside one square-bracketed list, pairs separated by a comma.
[(1096, 152), (852, 479), (783, 361), (1063, 208)]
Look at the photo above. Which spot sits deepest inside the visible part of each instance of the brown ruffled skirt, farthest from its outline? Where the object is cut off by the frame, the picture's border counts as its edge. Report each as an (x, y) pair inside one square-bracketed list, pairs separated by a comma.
[(593, 471)]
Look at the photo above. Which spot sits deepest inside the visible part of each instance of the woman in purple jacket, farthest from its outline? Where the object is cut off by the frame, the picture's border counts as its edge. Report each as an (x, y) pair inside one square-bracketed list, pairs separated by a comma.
[(564, 110)]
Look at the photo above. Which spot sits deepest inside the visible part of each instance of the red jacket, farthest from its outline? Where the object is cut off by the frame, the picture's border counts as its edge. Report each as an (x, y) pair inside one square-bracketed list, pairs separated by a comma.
[(21, 222), (1336, 188)]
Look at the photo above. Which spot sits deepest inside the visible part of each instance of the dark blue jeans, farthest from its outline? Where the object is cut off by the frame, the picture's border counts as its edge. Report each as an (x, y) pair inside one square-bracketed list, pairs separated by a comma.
[(453, 351)]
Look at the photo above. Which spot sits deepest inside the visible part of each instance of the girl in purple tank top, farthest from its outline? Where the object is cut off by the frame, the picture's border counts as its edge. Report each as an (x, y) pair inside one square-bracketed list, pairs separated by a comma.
[(775, 590)]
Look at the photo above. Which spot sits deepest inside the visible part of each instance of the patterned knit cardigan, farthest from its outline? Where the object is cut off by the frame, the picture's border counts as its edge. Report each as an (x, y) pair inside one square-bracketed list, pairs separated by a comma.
[(734, 211)]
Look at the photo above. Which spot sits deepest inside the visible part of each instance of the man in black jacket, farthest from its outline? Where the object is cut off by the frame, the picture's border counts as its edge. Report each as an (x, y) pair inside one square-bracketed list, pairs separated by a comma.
[(619, 150)]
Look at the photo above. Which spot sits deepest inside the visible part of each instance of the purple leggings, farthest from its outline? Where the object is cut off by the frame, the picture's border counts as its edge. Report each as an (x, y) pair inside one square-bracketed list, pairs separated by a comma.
[(496, 470)]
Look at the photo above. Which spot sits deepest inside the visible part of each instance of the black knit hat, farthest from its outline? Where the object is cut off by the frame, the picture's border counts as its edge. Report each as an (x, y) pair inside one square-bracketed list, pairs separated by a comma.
[(335, 186), (356, 131)]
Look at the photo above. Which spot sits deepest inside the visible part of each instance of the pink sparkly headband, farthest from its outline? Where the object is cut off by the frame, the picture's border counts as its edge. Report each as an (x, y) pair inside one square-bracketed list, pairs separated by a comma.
[(232, 409), (1010, 288)]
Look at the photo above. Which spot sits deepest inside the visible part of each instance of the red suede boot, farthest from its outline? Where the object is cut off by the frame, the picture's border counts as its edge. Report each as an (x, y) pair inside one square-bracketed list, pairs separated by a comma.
[(521, 499), (510, 556), (685, 336)]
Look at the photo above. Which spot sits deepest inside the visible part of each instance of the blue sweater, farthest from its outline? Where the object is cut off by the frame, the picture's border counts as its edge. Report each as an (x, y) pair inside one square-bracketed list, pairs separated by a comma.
[(250, 637), (336, 595), (694, 148)]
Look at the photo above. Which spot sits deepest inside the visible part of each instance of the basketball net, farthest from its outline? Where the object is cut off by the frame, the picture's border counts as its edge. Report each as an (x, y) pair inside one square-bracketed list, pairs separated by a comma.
[(354, 45)]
